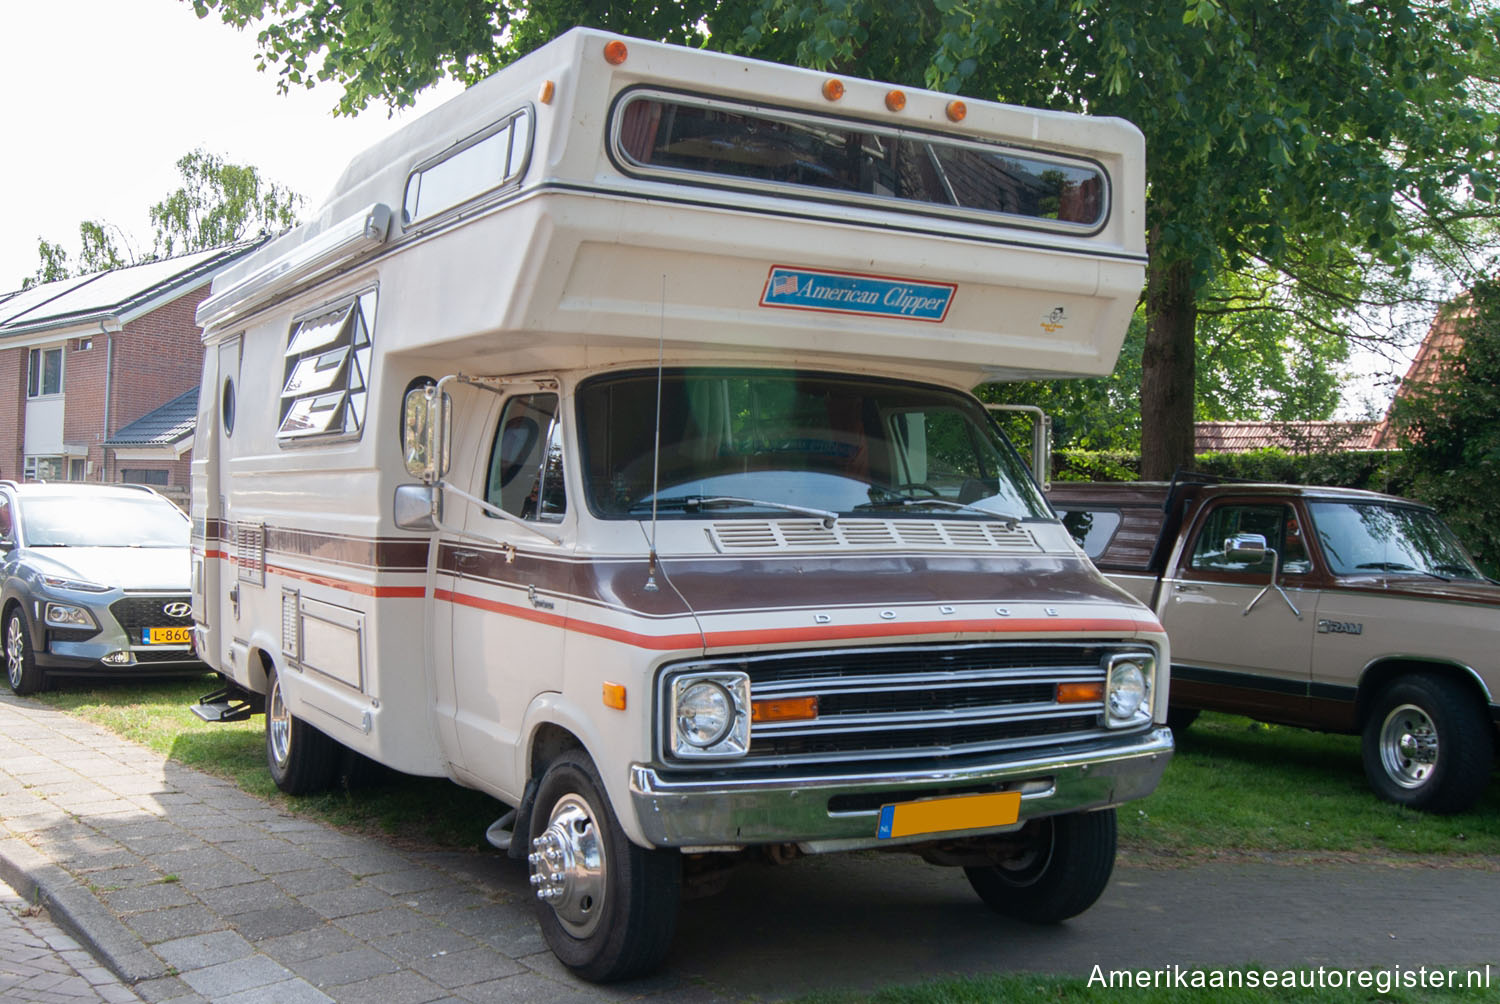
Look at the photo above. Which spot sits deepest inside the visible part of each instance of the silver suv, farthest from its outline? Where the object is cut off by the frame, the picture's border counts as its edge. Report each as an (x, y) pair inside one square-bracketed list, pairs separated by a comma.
[(96, 581)]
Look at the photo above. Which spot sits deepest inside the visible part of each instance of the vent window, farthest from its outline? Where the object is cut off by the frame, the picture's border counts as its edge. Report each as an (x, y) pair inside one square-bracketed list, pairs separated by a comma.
[(326, 379)]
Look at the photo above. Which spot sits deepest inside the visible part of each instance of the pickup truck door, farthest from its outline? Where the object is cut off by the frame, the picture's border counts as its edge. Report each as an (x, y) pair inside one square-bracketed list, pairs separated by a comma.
[(1226, 653), (508, 586)]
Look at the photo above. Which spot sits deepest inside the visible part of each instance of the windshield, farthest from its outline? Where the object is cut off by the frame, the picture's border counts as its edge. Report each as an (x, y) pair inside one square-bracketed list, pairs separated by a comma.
[(1375, 539), (62, 521), (776, 441)]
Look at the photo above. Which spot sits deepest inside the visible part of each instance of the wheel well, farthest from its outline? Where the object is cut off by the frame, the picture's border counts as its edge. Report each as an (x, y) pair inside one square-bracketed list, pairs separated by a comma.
[(1382, 674), (261, 658), (547, 744)]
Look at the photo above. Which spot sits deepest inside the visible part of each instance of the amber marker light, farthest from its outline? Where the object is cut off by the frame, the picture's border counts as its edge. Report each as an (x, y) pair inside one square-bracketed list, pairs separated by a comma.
[(957, 110), (895, 100), (791, 709), (1080, 693), (833, 88), (615, 52), (614, 696), (545, 95)]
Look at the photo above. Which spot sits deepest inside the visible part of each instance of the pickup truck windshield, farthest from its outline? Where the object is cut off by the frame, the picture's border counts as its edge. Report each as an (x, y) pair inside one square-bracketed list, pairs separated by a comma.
[(761, 443), (1373, 539)]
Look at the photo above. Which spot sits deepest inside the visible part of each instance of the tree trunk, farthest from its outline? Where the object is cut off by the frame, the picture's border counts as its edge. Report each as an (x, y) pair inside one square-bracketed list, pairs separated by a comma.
[(1168, 368)]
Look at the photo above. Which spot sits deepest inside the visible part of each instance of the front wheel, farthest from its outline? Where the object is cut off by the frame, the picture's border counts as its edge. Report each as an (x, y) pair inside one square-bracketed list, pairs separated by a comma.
[(21, 670), (301, 759), (607, 907), (1058, 872), (1428, 745)]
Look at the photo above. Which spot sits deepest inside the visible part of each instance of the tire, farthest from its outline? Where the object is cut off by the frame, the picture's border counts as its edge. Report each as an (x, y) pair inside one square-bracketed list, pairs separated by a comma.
[(1181, 719), (21, 670), (1059, 875), (607, 908), (301, 759), (1428, 745)]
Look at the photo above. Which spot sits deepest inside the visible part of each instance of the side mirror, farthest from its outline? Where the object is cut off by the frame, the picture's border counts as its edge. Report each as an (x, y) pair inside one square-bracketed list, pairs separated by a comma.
[(426, 430), (1247, 547), (418, 507)]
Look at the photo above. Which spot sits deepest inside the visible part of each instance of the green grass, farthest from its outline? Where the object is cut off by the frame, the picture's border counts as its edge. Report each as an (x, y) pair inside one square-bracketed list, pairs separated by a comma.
[(1037, 989), (415, 811), (1239, 786), (1234, 787)]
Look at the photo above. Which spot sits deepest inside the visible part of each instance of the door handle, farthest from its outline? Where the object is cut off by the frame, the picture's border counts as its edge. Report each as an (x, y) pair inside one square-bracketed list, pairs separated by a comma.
[(1184, 587), (463, 557)]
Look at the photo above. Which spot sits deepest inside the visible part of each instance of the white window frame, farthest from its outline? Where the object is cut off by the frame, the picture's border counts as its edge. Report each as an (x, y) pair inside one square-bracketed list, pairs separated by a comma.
[(36, 369)]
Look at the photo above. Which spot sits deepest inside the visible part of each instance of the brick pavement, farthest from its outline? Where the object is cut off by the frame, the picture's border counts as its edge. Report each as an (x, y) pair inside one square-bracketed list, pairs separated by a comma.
[(39, 964), (192, 890)]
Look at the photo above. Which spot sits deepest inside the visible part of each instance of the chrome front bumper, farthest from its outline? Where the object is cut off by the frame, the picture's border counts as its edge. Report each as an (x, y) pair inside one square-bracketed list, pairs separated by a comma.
[(719, 814)]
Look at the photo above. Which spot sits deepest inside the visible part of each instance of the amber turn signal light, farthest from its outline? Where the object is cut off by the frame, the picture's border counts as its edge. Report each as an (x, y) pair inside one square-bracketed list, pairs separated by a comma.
[(895, 100), (614, 696), (833, 89), (1080, 693), (956, 111), (615, 52), (791, 709)]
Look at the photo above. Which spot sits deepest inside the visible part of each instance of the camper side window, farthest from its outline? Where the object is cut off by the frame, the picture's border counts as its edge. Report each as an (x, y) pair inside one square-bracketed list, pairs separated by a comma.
[(325, 382), (526, 460)]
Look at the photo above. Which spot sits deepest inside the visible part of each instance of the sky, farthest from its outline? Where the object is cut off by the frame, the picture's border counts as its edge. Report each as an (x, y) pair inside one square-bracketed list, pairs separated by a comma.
[(100, 98)]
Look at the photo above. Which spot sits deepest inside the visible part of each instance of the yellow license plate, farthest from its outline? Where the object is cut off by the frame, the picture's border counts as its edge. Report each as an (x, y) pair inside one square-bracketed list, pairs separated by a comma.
[(167, 636), (945, 815)]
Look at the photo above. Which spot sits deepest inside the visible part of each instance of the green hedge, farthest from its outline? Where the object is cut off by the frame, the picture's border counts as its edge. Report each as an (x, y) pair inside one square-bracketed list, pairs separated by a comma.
[(1383, 471)]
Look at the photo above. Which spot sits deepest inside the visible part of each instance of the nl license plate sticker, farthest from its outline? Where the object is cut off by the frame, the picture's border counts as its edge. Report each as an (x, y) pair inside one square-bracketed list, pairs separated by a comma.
[(167, 636), (945, 815)]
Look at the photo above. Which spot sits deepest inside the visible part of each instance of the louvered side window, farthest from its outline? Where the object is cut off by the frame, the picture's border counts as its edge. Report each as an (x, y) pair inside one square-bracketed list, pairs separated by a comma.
[(326, 378)]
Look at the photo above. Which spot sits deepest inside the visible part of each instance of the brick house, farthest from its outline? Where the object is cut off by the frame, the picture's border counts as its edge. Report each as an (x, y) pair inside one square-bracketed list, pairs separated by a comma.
[(84, 359)]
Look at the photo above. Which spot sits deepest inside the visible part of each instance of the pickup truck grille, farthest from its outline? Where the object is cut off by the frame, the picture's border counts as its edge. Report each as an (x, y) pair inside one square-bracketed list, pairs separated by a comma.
[(917, 702)]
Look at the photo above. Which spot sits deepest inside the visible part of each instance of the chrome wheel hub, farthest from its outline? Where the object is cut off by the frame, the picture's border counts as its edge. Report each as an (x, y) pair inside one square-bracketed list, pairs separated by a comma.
[(279, 726), (1409, 746), (568, 866)]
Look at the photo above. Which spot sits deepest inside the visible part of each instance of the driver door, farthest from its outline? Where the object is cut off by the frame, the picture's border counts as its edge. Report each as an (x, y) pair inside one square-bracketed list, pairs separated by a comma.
[(510, 587), (1226, 654)]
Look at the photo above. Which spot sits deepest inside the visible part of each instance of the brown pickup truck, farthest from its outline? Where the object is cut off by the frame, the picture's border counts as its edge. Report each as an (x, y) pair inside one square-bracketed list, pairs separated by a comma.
[(1326, 608)]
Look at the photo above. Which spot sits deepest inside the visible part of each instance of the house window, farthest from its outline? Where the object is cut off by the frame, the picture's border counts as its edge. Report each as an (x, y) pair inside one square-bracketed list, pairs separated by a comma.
[(325, 382), (44, 372), (43, 468), (143, 476)]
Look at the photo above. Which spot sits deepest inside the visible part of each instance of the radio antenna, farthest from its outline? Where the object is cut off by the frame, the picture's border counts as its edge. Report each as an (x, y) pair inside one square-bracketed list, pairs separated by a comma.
[(661, 335)]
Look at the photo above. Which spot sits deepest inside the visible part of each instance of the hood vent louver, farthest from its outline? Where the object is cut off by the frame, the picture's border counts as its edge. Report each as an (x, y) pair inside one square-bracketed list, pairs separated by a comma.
[(869, 534)]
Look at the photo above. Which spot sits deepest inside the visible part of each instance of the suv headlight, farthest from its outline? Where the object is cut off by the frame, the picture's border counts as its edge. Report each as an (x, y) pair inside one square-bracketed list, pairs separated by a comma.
[(1127, 690), (708, 715), (65, 615), (58, 582)]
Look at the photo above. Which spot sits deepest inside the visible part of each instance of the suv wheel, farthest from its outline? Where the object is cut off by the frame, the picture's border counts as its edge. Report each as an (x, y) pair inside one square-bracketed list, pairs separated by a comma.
[(1427, 745), (20, 662)]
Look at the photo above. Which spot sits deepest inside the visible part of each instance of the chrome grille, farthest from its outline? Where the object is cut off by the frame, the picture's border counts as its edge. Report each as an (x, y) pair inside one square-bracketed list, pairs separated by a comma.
[(917, 702)]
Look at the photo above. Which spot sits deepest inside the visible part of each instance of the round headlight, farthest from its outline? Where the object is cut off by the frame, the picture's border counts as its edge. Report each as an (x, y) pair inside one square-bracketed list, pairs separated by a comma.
[(705, 714), (1127, 690)]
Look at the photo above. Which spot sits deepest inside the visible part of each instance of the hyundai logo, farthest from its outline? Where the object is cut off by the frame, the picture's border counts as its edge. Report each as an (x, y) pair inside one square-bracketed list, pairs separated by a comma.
[(178, 610)]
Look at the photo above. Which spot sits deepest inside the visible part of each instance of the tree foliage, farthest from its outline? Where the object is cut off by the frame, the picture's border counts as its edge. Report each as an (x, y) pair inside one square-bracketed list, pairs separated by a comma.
[(217, 203), (1330, 143), (1449, 431)]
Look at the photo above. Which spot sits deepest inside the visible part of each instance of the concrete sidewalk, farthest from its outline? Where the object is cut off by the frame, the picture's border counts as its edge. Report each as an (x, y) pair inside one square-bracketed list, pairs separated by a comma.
[(192, 890)]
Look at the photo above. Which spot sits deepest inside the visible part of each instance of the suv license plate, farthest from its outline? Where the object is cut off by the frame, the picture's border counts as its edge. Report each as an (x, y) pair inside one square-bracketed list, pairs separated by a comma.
[(944, 815), (167, 636)]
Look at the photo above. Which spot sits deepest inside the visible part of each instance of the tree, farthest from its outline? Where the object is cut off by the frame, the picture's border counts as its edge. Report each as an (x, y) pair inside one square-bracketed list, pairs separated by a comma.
[(1448, 428), (218, 203), (1319, 140)]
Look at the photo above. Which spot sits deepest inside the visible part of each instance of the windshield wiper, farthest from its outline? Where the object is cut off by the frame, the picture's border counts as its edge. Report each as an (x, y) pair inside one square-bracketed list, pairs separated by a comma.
[(1396, 566), (696, 503), (1010, 522)]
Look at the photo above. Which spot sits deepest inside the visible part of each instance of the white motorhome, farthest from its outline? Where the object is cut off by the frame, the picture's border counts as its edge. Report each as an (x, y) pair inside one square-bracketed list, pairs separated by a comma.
[(607, 444)]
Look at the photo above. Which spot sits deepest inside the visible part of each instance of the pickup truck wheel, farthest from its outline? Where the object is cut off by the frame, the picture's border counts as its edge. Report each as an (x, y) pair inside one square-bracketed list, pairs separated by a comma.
[(1427, 745), (1059, 874), (607, 907), (21, 670), (301, 759)]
